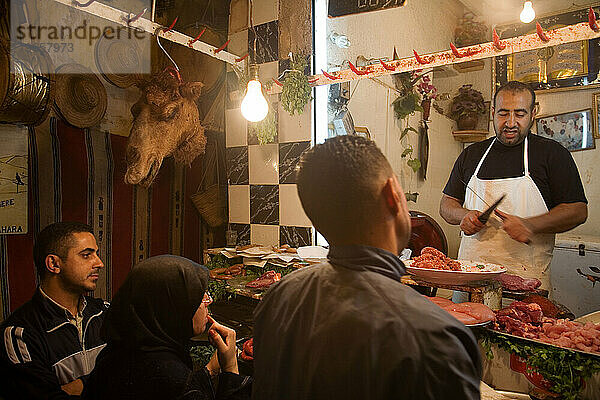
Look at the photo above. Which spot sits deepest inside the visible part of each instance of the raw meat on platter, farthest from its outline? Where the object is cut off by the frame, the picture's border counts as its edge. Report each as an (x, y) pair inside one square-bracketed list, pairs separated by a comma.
[(517, 284), (528, 320), (467, 313), (264, 281), (435, 259), (247, 353)]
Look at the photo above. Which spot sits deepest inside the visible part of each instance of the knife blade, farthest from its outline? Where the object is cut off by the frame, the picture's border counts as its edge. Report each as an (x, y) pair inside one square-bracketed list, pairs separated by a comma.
[(485, 216), (474, 192)]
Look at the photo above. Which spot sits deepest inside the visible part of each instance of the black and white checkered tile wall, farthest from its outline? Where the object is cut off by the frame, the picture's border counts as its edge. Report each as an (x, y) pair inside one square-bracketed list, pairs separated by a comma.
[(264, 207)]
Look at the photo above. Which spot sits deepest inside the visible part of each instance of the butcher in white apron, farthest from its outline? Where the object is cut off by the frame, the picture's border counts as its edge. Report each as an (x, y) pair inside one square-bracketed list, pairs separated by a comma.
[(520, 235), (492, 244)]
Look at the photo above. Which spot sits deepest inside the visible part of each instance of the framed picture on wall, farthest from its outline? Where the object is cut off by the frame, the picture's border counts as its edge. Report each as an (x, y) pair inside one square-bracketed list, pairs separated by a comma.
[(574, 129), (596, 114), (14, 179)]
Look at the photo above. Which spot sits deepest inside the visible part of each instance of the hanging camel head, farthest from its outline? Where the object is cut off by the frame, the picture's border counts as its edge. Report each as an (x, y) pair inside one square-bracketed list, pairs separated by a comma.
[(166, 123)]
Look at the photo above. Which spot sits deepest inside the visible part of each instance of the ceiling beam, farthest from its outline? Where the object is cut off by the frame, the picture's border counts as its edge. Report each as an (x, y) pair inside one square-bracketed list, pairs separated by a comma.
[(121, 17), (567, 34)]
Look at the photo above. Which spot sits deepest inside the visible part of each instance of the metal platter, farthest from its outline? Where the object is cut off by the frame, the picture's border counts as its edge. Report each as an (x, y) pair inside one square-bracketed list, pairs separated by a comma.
[(479, 325), (586, 353)]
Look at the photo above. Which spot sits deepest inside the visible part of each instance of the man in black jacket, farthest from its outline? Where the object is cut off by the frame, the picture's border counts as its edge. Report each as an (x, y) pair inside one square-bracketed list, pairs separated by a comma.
[(49, 345), (348, 328)]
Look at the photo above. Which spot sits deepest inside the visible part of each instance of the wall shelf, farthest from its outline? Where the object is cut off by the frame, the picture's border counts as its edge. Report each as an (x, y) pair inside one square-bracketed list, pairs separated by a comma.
[(470, 136)]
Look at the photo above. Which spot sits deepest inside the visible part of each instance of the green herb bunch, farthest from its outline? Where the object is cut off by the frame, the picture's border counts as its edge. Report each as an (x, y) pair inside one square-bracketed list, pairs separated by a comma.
[(217, 288), (565, 369), (296, 90), (265, 130)]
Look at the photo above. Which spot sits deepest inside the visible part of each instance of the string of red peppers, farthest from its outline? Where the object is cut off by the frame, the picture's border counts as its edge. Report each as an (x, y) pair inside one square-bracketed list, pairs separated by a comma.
[(497, 43)]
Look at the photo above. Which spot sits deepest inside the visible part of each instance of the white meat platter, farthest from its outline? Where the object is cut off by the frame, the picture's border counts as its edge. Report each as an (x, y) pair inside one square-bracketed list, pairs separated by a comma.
[(472, 271)]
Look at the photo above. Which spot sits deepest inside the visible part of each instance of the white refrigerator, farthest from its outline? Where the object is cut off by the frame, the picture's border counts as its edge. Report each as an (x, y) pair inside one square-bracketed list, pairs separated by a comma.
[(575, 273)]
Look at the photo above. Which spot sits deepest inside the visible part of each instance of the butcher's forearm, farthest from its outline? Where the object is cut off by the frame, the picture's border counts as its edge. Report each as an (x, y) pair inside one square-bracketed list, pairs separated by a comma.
[(451, 210), (561, 218)]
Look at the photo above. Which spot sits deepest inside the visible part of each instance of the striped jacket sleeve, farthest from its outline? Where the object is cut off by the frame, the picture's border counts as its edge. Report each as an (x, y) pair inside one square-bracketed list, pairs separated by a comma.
[(24, 370)]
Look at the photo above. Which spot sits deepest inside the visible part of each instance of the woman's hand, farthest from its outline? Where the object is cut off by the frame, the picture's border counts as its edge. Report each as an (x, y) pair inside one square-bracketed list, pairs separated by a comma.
[(213, 366), (223, 338)]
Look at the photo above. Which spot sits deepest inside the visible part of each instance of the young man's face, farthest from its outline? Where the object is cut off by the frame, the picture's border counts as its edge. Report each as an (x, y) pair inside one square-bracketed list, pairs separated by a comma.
[(513, 116), (80, 269)]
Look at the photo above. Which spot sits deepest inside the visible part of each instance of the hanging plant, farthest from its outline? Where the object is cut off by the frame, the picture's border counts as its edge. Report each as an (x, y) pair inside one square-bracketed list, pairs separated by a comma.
[(414, 163), (265, 130), (407, 103), (296, 91), (416, 91)]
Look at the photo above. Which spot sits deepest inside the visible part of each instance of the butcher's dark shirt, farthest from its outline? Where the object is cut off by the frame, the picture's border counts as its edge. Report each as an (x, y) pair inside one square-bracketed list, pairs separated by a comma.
[(348, 329), (551, 167)]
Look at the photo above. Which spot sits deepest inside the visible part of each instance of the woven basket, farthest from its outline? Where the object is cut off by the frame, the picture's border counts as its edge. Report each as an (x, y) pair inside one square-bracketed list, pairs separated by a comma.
[(210, 199), (210, 204)]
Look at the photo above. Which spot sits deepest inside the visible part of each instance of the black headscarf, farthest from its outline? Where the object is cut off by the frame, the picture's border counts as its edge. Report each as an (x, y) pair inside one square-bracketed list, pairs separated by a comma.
[(153, 309)]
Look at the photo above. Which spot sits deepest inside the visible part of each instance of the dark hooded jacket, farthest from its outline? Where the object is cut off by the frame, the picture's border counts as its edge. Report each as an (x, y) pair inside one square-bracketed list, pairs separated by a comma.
[(348, 329), (147, 330)]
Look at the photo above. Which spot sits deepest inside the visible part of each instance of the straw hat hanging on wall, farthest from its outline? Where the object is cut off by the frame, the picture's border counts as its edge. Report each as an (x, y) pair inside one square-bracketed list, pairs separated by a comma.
[(80, 97), (119, 61)]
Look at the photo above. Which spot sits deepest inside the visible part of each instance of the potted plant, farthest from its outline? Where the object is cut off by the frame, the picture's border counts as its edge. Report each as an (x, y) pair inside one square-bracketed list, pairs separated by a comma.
[(467, 107)]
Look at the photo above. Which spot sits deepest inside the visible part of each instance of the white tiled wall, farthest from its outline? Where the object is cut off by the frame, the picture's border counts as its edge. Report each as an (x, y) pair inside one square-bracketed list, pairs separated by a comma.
[(264, 11), (267, 235), (263, 163), (289, 223), (238, 43), (236, 128), (268, 71), (239, 204), (290, 208), (294, 128), (239, 15)]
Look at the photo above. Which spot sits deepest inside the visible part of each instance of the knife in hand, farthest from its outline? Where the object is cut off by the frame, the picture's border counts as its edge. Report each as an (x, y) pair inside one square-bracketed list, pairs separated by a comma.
[(485, 216)]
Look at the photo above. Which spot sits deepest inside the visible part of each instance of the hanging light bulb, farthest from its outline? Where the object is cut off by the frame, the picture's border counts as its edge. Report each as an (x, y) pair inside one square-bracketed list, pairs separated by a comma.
[(254, 106), (528, 14)]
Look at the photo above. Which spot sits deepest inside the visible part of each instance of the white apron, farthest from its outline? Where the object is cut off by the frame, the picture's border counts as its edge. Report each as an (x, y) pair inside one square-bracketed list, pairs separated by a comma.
[(492, 244)]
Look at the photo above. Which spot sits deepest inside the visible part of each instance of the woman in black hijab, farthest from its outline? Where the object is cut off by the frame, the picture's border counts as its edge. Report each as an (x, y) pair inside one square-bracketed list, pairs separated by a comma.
[(160, 306)]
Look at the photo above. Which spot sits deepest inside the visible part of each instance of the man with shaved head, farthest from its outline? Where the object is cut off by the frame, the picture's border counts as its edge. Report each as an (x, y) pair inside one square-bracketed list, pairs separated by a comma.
[(544, 193), (348, 328)]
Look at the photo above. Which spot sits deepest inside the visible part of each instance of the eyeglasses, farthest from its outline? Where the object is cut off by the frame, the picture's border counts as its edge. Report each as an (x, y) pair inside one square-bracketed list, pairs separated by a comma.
[(207, 299)]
